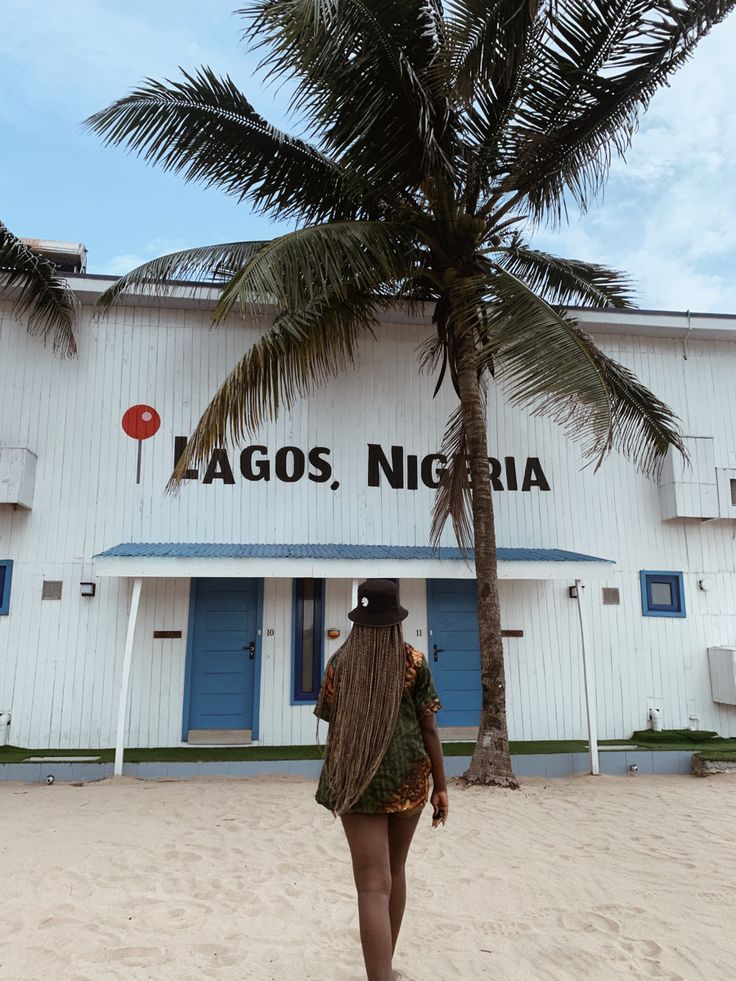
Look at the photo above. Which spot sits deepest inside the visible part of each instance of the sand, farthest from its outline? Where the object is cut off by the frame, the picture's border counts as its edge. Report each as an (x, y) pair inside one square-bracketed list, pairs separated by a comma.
[(583, 878)]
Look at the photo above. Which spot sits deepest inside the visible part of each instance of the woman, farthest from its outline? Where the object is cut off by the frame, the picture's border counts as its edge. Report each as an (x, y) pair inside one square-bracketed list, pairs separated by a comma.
[(380, 701)]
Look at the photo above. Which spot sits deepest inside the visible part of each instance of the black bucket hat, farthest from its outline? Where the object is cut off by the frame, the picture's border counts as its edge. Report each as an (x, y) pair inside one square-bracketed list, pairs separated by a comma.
[(378, 604)]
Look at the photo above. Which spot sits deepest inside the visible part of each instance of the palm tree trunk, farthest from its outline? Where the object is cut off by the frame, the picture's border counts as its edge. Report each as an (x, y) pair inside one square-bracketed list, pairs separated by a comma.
[(491, 762)]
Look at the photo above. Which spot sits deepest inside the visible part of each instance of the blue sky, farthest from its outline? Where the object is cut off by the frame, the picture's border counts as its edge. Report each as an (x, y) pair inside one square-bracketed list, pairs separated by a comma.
[(668, 215)]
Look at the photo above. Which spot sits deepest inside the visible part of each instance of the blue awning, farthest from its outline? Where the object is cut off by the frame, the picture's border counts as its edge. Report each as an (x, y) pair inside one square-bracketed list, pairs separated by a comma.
[(335, 561), (216, 550)]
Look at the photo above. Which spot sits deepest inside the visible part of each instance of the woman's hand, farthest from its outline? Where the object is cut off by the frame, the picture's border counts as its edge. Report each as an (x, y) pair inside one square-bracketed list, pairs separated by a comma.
[(433, 747), (440, 807)]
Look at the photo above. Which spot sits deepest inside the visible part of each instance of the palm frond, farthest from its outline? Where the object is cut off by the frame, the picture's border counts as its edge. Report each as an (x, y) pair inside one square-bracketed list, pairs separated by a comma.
[(204, 128), (644, 428), (492, 44), (565, 281), (488, 41), (589, 81), (454, 500), (367, 81), (44, 300), (545, 362), (321, 260), (300, 353), (209, 264)]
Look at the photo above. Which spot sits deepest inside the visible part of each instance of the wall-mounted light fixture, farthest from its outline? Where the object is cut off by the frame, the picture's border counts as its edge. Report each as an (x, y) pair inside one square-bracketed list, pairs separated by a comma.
[(87, 588), (333, 633), (705, 584), (572, 592)]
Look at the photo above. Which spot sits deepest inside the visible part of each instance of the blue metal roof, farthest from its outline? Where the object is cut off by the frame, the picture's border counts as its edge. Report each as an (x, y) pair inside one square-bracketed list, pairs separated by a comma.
[(211, 550)]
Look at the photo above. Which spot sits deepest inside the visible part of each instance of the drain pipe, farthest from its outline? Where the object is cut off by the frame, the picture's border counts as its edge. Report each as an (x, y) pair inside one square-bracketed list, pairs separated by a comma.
[(4, 728), (687, 334), (589, 689)]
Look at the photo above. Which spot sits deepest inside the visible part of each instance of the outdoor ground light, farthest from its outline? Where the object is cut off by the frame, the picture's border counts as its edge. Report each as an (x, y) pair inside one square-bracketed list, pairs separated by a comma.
[(87, 588)]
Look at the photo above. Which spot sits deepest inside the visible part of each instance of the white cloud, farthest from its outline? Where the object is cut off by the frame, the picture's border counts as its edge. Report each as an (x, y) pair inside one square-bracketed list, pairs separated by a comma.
[(668, 213), (675, 283), (118, 265)]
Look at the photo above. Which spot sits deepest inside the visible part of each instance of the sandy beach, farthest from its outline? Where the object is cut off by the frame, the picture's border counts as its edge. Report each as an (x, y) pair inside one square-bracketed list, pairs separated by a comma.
[(581, 878)]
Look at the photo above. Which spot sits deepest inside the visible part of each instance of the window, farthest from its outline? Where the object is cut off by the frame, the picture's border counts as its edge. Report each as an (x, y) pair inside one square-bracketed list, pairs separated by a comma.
[(6, 574), (308, 638), (662, 594)]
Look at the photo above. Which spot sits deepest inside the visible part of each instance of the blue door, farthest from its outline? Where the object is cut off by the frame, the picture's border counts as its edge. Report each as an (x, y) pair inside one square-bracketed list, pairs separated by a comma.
[(454, 649), (223, 652)]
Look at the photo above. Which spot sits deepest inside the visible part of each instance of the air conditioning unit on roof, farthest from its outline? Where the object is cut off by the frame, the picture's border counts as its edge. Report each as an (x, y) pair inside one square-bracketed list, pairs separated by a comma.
[(68, 257)]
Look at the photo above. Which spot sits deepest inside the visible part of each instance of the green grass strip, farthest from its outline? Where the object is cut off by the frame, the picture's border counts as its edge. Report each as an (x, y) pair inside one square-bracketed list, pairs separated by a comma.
[(203, 754), (717, 757)]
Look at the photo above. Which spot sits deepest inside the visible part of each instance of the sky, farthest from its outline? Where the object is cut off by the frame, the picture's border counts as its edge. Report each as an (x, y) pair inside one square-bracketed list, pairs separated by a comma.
[(668, 216)]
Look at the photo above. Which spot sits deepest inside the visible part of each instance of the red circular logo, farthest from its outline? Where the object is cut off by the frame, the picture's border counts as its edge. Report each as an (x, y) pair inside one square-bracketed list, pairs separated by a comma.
[(141, 421)]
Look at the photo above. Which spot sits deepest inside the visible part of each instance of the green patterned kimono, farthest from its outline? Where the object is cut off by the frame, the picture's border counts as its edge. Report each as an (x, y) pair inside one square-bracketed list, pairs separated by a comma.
[(402, 780)]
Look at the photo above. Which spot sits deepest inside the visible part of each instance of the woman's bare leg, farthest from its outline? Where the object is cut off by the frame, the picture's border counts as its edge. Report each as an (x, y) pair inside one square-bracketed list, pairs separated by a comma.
[(401, 828), (368, 838)]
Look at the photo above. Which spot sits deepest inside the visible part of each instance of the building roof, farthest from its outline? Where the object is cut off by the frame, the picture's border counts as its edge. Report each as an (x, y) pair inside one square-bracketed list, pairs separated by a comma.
[(678, 324)]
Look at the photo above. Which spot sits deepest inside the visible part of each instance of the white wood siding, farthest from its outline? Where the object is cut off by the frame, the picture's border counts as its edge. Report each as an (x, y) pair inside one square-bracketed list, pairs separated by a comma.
[(59, 661)]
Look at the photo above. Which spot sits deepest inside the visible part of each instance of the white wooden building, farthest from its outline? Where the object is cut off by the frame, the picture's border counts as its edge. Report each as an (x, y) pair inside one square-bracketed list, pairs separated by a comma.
[(230, 635)]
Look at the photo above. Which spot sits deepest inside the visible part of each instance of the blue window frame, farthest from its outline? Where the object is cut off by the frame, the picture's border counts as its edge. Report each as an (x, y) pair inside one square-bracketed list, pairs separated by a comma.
[(308, 639), (662, 594), (6, 574)]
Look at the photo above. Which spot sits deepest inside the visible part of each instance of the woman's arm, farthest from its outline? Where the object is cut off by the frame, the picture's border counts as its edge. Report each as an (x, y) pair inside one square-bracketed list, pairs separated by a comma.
[(433, 746)]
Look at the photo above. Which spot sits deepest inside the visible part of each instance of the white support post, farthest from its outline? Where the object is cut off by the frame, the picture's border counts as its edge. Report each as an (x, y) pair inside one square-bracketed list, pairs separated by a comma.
[(588, 682), (356, 583), (125, 679)]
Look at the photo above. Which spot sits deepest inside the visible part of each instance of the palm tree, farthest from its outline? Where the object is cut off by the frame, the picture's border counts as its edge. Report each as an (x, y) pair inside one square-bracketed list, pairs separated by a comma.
[(436, 133), (40, 294)]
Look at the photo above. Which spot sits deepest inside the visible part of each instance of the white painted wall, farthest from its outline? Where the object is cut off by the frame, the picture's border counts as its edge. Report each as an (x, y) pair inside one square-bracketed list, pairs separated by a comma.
[(59, 660)]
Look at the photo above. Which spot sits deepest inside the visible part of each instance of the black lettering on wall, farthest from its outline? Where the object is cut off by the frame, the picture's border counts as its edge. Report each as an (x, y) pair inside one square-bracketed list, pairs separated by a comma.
[(180, 443), (393, 471), (290, 464), (534, 475), (397, 468), (255, 469), (495, 474), (219, 468), (430, 476), (322, 471)]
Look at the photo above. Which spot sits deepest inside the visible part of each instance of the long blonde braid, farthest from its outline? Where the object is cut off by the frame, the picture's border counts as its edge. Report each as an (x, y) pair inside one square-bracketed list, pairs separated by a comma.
[(368, 685)]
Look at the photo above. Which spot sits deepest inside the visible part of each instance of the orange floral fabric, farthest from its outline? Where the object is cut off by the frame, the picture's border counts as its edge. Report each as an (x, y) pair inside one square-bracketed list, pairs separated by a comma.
[(402, 780)]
